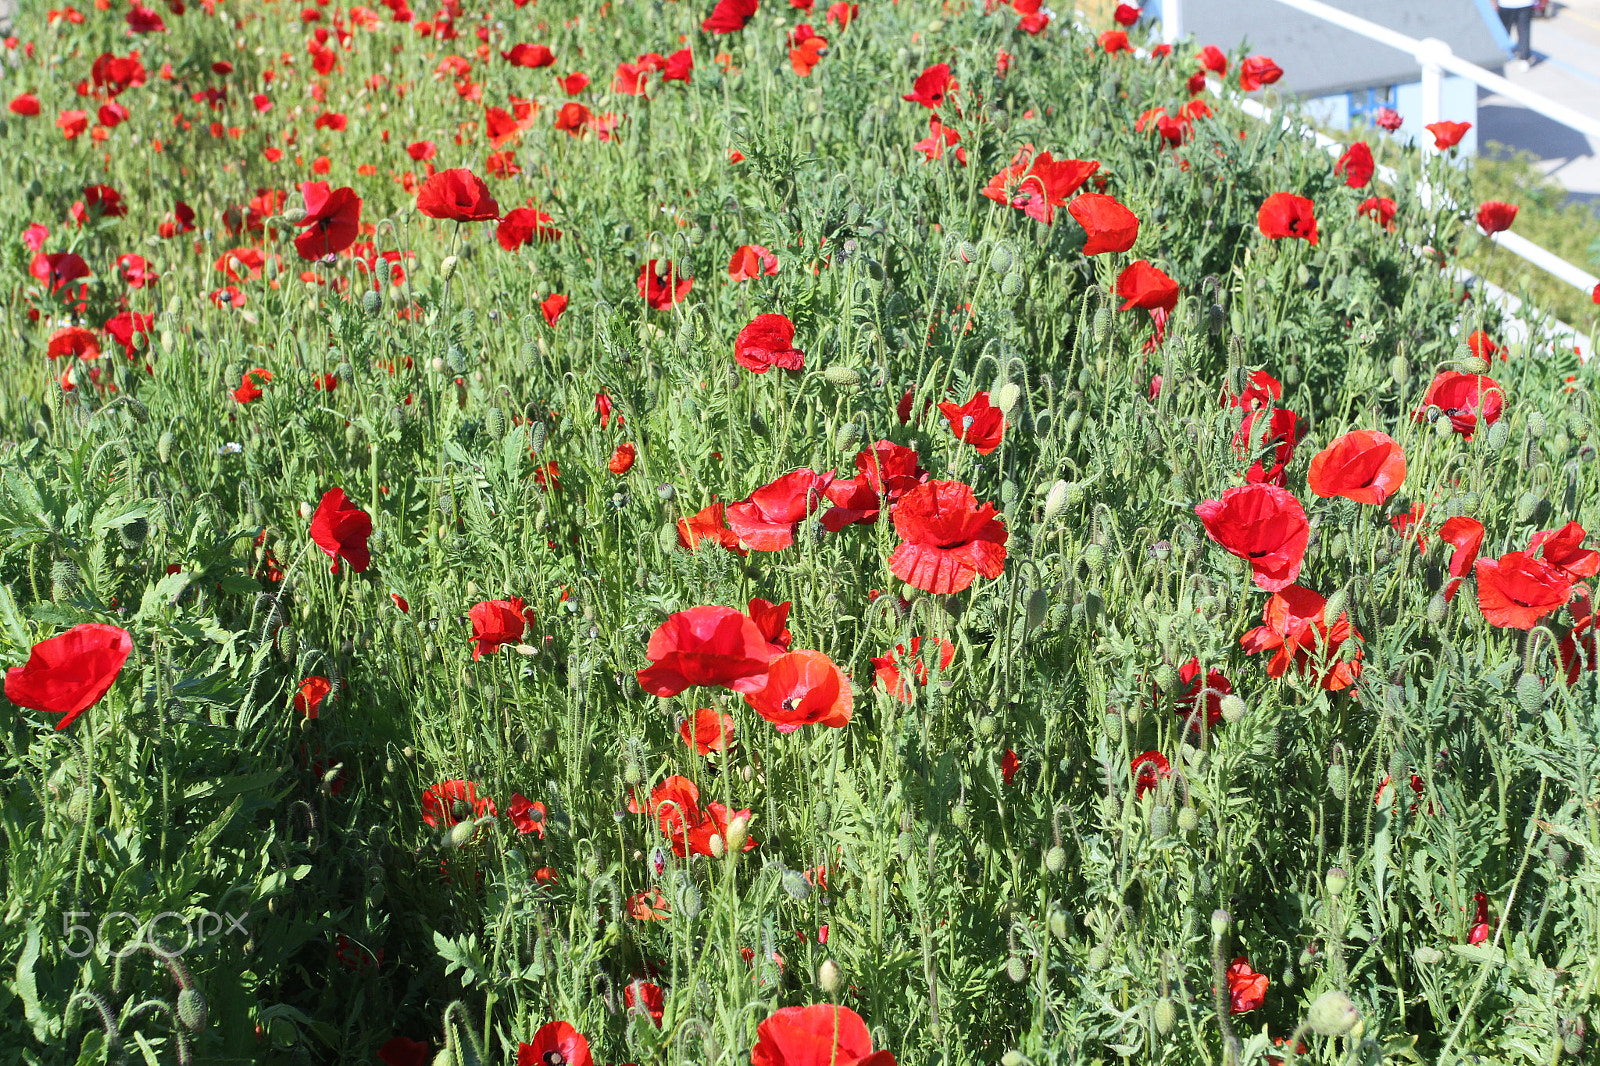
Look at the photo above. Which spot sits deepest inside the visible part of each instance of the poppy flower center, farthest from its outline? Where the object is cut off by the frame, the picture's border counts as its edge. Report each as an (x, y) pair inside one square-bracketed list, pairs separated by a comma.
[(553, 1058), (793, 703)]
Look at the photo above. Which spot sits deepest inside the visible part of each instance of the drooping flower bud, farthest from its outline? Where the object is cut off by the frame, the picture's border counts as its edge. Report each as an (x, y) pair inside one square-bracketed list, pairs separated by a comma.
[(1333, 1014), (829, 978)]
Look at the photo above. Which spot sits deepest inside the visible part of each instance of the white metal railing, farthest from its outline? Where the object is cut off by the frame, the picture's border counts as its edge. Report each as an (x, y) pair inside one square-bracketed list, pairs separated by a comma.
[(1435, 58)]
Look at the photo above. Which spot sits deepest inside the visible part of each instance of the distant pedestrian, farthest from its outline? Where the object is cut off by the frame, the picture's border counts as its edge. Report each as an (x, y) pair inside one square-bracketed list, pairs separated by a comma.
[(1519, 13)]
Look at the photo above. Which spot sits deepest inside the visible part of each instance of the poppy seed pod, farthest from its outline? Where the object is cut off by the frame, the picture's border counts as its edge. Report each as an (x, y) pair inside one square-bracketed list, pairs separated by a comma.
[(1219, 923)]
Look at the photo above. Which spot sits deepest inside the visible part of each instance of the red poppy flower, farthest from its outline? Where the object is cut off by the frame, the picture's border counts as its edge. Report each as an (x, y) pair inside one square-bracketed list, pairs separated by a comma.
[(1148, 770), (125, 325), (106, 202), (1216, 686), (556, 1044), (1578, 648), (931, 86), (1564, 551), (978, 422), (1364, 466), (729, 16), (143, 20), (1517, 590), (647, 996), (1282, 434), (1294, 628), (495, 623), (818, 1035), (58, 268), (622, 459), (773, 621), (69, 673), (574, 83), (1495, 216), (25, 104), (1126, 15), (648, 905), (457, 195), (72, 124), (1466, 534), (249, 389), (1114, 41), (708, 731), (532, 56), (662, 292), (751, 261), (1142, 285), (887, 668), (527, 815), (1110, 226), (73, 341), (573, 118), (675, 805), (947, 539), (768, 518), (803, 687), (403, 1051), (706, 646), (451, 802), (341, 529), (1356, 165), (421, 151), (552, 307), (1483, 346), (523, 224), (332, 222), (938, 139), (1256, 71), (709, 524), (1380, 209), (1037, 185), (713, 825), (1212, 59), (1283, 214), (1462, 398), (887, 472), (312, 691), (1447, 134), (767, 342), (1263, 524), (1246, 989)]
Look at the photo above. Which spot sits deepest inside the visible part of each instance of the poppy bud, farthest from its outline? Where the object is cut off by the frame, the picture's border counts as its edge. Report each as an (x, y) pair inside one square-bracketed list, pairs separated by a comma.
[(372, 303), (958, 816), (1160, 821), (1538, 425), (1166, 678), (1438, 608), (906, 845), (1333, 1014), (1016, 970), (843, 377), (796, 885), (494, 423), (1558, 853), (79, 805), (1572, 1042), (1057, 500), (1188, 819), (1099, 955), (715, 845), (1530, 693), (1102, 327), (1219, 922), (447, 269), (192, 1009), (1166, 1014), (461, 834), (1334, 607), (1001, 260), (1427, 956), (1528, 505), (967, 252), (288, 644), (847, 436), (63, 579), (829, 977), (1008, 396), (1011, 286), (1444, 429), (1094, 558), (536, 435), (738, 830), (1055, 860)]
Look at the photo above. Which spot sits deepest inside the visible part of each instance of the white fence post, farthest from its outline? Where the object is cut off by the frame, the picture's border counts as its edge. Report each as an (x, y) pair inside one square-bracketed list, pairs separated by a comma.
[(1171, 20), (1432, 54)]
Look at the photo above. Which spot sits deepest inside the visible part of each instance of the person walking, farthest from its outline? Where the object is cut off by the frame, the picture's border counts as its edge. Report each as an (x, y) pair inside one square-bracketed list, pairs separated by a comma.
[(1518, 13)]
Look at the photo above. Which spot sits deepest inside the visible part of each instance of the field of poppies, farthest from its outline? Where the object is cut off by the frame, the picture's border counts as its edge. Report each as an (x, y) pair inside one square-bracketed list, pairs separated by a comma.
[(800, 533)]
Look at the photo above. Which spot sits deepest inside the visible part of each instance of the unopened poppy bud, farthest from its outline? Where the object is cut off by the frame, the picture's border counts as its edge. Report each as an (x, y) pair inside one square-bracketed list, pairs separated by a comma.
[(1060, 926), (1443, 429), (1334, 607), (1333, 1014), (1099, 956), (536, 435), (288, 644), (494, 423), (1016, 970), (738, 830), (164, 445), (1336, 881), (192, 1009), (79, 805), (1219, 922), (1008, 396), (294, 216), (715, 845), (63, 579), (1015, 1058), (1233, 708), (1166, 678), (1055, 860), (1101, 326), (1528, 505), (796, 884), (1056, 501), (1400, 370), (1166, 1013), (447, 269), (1538, 425), (1001, 260), (1188, 819), (847, 437), (460, 834), (1094, 558), (372, 302), (906, 845), (843, 377), (1530, 693), (1438, 608), (1160, 821), (1427, 956)]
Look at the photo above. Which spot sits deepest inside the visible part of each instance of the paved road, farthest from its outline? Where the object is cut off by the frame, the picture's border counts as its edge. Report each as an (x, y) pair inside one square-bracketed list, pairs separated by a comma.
[(1566, 68)]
